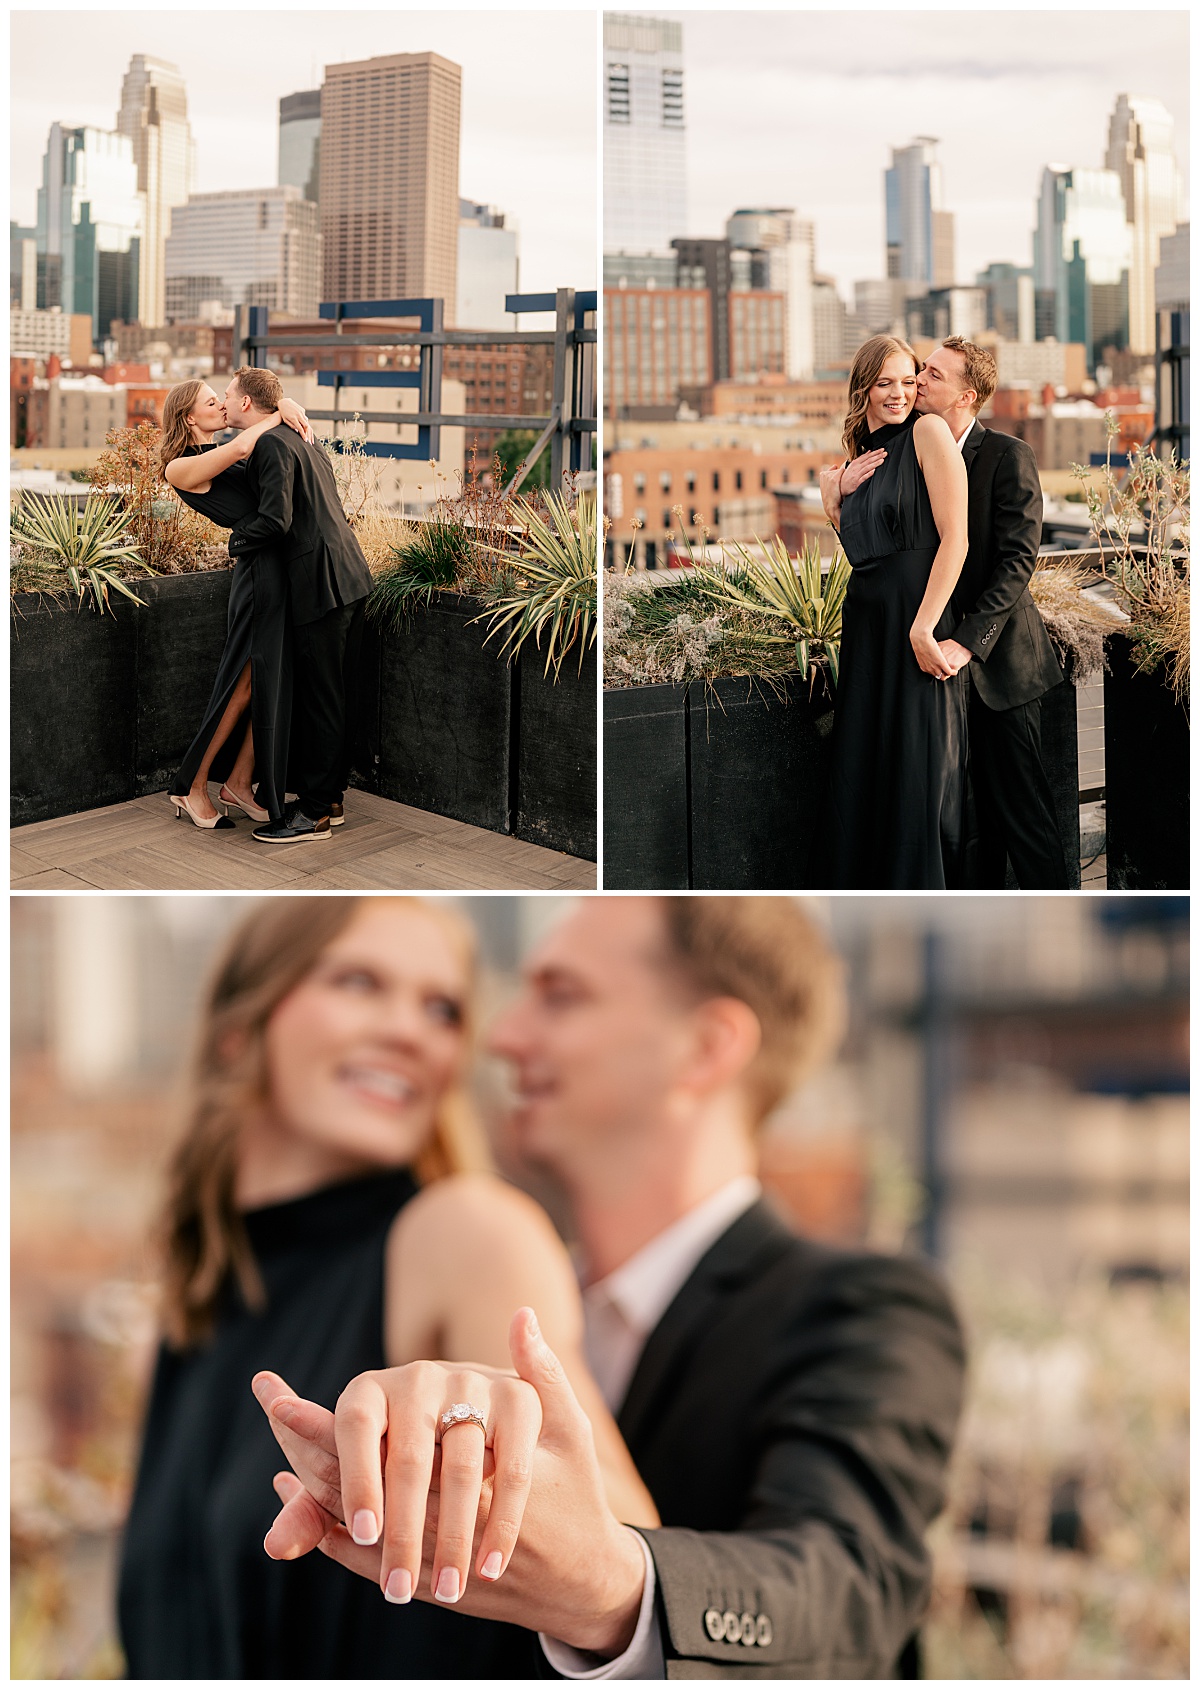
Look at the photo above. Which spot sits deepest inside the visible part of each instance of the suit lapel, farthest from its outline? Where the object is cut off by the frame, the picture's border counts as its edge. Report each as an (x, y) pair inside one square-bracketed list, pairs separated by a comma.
[(972, 443), (753, 1240)]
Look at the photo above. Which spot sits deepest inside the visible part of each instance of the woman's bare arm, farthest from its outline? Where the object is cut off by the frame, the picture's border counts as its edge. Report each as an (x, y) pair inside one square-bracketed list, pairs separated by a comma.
[(946, 481), (196, 474), (463, 1256)]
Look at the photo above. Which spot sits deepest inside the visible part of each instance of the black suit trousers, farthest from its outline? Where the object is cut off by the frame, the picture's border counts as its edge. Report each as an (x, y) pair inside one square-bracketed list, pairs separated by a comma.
[(1013, 801), (327, 658)]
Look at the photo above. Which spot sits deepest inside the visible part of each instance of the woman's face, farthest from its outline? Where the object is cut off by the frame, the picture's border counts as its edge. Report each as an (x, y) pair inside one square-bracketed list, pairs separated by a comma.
[(893, 392), (362, 1050), (207, 415)]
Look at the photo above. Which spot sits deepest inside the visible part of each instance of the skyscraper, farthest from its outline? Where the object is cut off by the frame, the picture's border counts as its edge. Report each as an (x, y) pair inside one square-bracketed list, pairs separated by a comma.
[(487, 266), (89, 223), (253, 246), (300, 142), (787, 244), (154, 117), (389, 178), (1141, 136), (645, 174), (920, 234), (1081, 260)]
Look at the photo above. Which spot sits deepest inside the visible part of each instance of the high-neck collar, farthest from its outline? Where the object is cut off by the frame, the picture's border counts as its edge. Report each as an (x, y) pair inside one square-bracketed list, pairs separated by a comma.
[(332, 1215), (888, 432)]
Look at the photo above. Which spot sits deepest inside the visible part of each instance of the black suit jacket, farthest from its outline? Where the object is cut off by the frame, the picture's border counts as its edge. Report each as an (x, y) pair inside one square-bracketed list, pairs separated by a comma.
[(792, 1416), (1014, 660), (300, 513)]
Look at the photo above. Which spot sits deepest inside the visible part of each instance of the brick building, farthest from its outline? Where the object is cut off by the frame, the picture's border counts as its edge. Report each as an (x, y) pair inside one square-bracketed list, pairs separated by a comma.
[(657, 342), (819, 403), (730, 490)]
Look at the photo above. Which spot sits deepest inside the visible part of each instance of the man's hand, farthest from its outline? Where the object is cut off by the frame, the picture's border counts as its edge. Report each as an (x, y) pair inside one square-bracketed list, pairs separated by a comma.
[(576, 1573), (958, 655)]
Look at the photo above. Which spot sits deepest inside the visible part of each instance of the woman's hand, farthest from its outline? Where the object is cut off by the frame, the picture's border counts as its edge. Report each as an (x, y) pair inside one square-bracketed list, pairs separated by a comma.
[(929, 654), (295, 416), (400, 1410)]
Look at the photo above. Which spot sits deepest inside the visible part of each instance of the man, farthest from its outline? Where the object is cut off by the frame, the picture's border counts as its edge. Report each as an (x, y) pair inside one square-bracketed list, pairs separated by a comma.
[(789, 1406), (1000, 637), (300, 513)]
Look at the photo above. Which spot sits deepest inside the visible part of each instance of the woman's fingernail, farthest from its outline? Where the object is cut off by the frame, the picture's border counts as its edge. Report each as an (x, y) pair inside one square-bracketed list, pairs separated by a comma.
[(364, 1528), (491, 1567), (447, 1585), (535, 1330), (399, 1585)]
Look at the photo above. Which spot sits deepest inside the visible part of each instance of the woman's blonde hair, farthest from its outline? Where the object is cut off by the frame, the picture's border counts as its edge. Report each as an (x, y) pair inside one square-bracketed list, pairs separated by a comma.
[(269, 953), (176, 430), (870, 358)]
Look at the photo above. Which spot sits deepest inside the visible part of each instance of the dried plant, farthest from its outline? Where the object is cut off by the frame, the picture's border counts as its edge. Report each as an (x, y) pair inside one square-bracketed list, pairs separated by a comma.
[(1077, 625), (1141, 518), (169, 537)]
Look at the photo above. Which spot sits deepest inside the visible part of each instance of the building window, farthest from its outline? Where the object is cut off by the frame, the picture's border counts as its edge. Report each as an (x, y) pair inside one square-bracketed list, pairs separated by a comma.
[(762, 478), (618, 93), (716, 474), (691, 481), (668, 518), (672, 99), (664, 480), (737, 479), (639, 482)]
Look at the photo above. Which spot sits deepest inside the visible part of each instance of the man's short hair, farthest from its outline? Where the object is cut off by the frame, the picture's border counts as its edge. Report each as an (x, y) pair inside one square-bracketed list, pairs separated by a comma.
[(981, 371), (262, 388), (770, 955)]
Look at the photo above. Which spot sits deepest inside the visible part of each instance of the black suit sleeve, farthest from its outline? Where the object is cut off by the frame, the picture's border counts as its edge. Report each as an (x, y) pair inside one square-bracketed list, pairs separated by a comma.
[(273, 469), (1016, 520), (851, 1449)]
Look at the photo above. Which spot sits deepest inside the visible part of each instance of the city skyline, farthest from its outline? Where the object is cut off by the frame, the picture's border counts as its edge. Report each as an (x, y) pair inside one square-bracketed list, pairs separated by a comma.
[(528, 118), (766, 98)]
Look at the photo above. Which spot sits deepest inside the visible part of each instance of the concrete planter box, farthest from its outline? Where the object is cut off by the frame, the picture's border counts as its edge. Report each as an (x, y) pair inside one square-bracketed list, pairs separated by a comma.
[(104, 708), (1146, 778), (723, 790), (715, 789)]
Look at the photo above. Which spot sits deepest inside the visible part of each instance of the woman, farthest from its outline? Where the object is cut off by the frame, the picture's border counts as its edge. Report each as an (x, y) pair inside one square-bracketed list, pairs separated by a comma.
[(324, 1220), (247, 721), (896, 812)]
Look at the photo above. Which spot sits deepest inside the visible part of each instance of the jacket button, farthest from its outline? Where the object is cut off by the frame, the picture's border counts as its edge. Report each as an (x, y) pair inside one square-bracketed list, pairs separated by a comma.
[(765, 1632), (732, 1626), (714, 1624), (749, 1633)]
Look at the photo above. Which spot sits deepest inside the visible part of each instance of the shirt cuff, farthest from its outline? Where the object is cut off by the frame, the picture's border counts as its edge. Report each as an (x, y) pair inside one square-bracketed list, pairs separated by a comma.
[(642, 1659)]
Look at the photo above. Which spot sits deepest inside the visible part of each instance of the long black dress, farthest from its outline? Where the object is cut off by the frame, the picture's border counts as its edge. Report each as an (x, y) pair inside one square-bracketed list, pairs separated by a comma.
[(198, 1595), (259, 632), (897, 803)]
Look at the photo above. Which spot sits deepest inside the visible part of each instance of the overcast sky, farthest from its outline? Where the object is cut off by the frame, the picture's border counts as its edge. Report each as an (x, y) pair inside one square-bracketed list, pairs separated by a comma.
[(528, 107), (801, 108)]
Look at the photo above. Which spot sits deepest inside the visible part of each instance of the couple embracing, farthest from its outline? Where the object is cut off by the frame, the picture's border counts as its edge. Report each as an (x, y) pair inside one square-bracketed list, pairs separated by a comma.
[(944, 657), (281, 710), (713, 1451)]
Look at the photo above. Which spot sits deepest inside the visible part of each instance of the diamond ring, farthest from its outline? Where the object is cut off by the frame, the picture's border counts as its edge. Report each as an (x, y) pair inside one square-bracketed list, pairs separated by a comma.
[(463, 1414)]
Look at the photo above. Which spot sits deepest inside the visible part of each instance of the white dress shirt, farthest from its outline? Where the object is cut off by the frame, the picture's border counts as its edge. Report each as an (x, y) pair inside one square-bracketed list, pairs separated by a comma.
[(619, 1314), (961, 440)]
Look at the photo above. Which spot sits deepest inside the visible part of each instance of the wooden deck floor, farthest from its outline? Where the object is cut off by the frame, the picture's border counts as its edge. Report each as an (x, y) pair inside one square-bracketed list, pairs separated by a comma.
[(140, 846)]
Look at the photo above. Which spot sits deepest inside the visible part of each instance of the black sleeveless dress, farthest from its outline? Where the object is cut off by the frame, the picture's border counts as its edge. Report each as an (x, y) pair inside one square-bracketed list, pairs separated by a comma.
[(896, 817), (259, 632), (198, 1595)]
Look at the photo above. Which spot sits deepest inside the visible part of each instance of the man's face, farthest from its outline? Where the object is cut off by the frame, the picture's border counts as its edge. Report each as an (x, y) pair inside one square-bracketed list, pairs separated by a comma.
[(942, 384), (596, 1037), (237, 407)]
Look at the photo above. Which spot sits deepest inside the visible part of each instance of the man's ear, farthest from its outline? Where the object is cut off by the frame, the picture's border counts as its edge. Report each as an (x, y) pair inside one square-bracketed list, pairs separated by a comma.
[(728, 1038)]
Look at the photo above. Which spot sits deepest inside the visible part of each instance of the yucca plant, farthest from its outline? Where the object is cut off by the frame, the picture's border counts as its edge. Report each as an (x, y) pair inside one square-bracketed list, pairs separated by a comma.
[(89, 543), (554, 593), (795, 592)]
